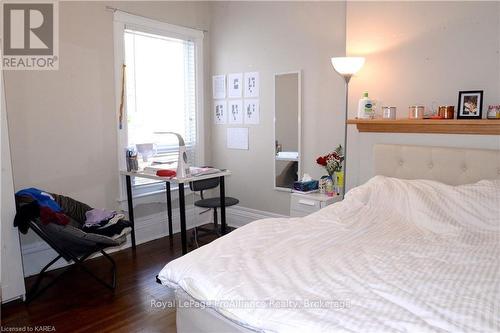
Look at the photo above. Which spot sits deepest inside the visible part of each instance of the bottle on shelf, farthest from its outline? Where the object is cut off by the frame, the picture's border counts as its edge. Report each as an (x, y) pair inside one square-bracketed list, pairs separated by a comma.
[(365, 107)]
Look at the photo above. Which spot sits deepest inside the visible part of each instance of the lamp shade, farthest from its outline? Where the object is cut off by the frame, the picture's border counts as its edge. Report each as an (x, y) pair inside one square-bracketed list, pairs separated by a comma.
[(347, 65)]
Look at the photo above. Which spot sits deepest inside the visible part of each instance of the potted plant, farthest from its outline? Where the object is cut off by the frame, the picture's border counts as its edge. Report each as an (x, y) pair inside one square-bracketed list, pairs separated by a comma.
[(332, 162)]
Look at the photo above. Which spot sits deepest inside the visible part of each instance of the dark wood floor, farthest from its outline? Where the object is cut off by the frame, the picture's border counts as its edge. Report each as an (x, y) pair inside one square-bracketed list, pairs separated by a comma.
[(78, 304)]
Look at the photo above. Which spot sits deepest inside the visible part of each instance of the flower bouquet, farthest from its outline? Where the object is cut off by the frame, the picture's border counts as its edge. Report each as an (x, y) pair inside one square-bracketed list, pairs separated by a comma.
[(332, 162)]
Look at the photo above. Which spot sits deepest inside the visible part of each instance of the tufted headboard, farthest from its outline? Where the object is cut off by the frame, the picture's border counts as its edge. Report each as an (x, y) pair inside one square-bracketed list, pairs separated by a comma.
[(452, 166)]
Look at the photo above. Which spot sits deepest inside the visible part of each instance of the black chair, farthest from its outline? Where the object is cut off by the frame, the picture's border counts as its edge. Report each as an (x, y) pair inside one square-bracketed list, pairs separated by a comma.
[(69, 241), (73, 248), (209, 203)]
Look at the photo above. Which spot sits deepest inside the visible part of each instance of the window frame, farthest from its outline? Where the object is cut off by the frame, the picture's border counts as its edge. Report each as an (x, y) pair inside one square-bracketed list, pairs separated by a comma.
[(122, 21)]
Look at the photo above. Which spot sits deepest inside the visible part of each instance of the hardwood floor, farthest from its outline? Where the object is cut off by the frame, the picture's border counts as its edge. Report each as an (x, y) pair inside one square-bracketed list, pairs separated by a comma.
[(79, 304)]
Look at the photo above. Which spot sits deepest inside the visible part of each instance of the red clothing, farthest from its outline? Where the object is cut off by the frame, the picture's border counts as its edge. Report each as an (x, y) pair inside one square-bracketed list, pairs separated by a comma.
[(47, 216)]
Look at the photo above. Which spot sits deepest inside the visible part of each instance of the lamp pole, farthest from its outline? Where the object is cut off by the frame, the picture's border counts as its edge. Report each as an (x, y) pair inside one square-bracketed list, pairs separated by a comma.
[(347, 78), (347, 67)]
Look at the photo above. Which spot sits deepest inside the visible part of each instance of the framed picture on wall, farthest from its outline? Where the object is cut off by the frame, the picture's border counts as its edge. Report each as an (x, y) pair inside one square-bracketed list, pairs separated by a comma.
[(470, 104)]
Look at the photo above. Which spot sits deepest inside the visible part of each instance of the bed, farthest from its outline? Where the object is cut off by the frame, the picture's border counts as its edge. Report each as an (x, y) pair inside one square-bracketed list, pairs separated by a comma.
[(405, 252)]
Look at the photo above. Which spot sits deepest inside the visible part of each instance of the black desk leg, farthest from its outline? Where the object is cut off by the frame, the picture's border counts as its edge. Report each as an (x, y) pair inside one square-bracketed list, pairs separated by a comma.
[(130, 209), (182, 209), (169, 209), (222, 206)]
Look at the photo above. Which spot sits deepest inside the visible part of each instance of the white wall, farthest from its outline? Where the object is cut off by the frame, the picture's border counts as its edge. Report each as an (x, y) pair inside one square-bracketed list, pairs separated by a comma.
[(276, 37), (421, 52)]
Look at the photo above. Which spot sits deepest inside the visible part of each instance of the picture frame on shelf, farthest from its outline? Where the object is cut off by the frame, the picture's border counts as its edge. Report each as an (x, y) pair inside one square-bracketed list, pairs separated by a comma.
[(470, 104)]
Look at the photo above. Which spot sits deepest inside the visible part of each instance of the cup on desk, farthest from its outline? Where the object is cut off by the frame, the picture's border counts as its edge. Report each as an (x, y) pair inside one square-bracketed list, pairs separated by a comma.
[(131, 158), (146, 150)]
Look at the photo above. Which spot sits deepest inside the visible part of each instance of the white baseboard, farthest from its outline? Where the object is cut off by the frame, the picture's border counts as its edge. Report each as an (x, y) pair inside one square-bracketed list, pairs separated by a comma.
[(36, 255)]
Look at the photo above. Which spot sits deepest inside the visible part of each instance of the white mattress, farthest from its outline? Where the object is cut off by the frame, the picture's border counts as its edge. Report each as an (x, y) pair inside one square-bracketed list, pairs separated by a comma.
[(396, 255)]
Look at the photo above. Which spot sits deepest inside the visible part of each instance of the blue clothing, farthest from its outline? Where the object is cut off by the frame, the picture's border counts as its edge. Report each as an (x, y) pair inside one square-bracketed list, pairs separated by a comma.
[(44, 199)]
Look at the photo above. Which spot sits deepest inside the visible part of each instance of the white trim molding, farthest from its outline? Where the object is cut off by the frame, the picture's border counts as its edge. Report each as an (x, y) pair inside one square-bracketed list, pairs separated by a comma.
[(36, 255), (153, 25)]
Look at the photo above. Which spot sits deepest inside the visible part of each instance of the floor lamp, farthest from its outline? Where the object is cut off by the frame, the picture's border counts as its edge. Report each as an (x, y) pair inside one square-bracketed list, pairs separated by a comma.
[(347, 67)]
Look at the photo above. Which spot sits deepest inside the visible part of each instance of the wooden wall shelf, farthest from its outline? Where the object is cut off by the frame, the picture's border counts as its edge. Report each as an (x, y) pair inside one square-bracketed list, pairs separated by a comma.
[(440, 126)]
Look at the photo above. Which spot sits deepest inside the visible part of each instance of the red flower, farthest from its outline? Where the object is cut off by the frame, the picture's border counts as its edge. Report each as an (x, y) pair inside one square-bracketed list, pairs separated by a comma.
[(321, 160), (332, 161)]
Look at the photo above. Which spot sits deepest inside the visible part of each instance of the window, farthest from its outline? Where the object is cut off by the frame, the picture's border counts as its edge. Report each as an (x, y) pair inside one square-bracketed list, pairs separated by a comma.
[(160, 90), (163, 88)]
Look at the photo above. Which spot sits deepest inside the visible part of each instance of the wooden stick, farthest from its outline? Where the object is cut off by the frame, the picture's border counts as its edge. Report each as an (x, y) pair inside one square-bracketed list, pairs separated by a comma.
[(122, 98)]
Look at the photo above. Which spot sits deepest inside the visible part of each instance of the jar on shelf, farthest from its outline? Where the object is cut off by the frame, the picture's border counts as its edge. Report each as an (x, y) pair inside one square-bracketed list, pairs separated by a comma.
[(493, 112), (416, 112), (389, 112), (446, 111)]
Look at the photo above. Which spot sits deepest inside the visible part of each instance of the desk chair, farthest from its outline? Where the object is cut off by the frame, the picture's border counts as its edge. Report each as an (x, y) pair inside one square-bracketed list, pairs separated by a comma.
[(209, 203)]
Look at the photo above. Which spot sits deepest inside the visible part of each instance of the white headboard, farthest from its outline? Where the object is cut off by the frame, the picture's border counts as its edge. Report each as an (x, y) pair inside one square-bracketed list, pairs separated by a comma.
[(452, 166)]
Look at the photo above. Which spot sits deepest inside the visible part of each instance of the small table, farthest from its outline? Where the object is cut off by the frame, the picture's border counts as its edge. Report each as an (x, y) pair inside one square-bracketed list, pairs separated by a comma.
[(182, 206), (302, 204)]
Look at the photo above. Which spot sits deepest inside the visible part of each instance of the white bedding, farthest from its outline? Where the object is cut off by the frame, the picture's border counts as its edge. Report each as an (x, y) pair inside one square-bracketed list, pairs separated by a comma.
[(404, 256)]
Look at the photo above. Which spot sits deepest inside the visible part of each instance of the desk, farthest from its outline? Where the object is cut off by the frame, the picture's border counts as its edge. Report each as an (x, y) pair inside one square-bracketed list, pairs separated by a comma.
[(182, 205)]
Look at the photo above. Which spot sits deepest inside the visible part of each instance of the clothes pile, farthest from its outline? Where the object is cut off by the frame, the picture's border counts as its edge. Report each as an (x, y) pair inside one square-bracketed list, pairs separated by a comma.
[(53, 208), (105, 222), (38, 204)]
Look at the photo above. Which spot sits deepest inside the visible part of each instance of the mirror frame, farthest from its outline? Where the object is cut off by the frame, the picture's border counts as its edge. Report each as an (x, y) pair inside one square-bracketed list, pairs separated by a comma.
[(299, 128)]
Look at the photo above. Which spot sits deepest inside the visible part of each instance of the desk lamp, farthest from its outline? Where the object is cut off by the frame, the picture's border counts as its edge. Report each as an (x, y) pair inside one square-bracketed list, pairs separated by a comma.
[(182, 163)]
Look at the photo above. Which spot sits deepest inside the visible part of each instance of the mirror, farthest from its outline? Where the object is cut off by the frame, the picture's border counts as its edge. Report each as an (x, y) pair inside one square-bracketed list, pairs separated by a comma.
[(287, 110)]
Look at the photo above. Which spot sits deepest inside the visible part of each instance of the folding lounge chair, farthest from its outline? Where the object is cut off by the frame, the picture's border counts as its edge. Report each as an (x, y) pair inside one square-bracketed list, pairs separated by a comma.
[(74, 245)]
